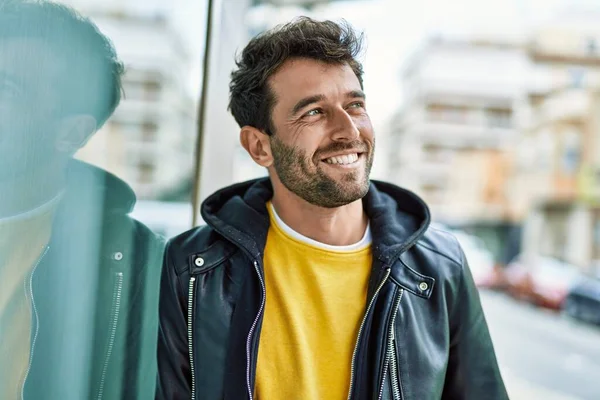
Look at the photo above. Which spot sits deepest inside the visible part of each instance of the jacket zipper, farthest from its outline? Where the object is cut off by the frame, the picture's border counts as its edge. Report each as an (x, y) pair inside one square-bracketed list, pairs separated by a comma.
[(113, 330), (37, 319), (393, 365), (248, 340), (252, 328), (386, 363), (190, 333), (390, 357), (362, 325)]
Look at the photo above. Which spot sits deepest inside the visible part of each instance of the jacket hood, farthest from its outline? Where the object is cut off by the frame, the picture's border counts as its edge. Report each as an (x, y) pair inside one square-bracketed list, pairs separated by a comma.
[(88, 186), (397, 216)]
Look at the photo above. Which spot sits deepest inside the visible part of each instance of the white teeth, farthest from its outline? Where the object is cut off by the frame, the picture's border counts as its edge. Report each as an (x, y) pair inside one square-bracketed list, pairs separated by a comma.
[(344, 160)]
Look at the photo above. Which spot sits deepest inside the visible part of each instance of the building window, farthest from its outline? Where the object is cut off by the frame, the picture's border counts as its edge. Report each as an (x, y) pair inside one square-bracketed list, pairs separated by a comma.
[(152, 89), (436, 153), (142, 88), (447, 113), (576, 77), (125, 127), (499, 117), (149, 130), (571, 153), (591, 47), (145, 171)]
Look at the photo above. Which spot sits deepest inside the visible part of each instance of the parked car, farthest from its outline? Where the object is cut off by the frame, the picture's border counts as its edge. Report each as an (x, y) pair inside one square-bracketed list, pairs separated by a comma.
[(543, 281), (583, 301)]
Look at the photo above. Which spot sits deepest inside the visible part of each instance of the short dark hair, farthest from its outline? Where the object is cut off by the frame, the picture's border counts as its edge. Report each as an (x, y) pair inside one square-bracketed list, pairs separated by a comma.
[(92, 83), (251, 99)]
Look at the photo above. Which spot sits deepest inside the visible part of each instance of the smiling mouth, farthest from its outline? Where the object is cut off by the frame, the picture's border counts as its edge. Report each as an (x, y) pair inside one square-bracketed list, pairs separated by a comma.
[(346, 159)]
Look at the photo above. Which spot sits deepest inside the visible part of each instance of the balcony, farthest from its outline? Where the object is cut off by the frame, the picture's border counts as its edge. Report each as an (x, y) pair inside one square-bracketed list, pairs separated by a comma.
[(467, 92), (459, 136), (568, 105)]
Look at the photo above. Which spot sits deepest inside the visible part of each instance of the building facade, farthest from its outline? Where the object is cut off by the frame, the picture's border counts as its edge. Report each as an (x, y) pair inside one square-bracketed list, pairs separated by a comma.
[(555, 184), (452, 138)]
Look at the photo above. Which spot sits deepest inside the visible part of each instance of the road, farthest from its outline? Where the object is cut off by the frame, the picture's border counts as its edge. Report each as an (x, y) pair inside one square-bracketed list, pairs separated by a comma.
[(543, 355)]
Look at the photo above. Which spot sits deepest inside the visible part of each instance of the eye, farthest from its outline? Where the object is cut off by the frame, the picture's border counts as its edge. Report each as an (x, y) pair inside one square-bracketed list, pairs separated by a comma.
[(314, 112), (357, 104)]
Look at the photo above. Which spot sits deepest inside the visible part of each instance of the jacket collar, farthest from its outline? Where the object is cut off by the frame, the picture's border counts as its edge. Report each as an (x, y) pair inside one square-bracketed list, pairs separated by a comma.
[(88, 213), (103, 189), (398, 217)]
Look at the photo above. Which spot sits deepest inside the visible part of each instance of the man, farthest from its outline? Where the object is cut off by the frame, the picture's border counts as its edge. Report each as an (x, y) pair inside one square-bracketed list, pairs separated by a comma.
[(317, 283), (76, 272)]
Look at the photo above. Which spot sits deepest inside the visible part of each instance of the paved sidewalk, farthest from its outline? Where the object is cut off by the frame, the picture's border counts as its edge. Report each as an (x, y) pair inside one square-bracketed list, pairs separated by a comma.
[(520, 389)]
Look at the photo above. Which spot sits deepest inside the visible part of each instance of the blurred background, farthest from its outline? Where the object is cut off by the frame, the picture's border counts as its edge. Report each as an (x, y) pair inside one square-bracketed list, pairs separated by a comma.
[(488, 109)]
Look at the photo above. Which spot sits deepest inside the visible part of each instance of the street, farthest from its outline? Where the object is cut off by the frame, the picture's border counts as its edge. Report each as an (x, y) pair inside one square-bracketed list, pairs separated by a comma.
[(543, 355)]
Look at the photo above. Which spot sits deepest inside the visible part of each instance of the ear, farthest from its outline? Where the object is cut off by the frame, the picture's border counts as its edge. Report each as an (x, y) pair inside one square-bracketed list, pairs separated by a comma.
[(74, 132), (257, 145)]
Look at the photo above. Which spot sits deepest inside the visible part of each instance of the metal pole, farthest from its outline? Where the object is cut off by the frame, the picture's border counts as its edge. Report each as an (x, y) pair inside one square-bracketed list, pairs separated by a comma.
[(201, 114)]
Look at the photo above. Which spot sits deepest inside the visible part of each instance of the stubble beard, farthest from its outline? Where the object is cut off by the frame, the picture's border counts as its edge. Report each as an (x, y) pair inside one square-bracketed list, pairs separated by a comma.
[(293, 168)]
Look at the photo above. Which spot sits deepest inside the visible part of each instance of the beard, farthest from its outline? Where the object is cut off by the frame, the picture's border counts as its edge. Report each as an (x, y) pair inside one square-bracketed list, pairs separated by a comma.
[(299, 175)]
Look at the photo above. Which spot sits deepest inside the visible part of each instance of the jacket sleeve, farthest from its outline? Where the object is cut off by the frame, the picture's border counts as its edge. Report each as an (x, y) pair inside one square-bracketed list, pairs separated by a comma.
[(473, 371), (174, 377)]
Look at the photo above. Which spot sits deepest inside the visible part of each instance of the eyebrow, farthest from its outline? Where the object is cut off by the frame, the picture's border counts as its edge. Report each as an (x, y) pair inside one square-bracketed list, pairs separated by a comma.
[(356, 93), (320, 97), (306, 101)]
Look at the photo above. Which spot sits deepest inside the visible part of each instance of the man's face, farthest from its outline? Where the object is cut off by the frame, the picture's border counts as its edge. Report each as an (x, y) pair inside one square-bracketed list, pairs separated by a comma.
[(28, 103), (323, 142)]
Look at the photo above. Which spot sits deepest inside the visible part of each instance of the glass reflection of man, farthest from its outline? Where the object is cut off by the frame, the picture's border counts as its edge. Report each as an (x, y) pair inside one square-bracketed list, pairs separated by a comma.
[(74, 268)]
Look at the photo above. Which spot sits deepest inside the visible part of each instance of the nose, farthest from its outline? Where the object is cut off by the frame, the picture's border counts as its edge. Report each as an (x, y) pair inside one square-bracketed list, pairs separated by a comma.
[(343, 127)]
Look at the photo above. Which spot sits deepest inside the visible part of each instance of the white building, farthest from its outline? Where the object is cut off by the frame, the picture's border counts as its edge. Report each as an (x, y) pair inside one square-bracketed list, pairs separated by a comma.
[(555, 186), (450, 140)]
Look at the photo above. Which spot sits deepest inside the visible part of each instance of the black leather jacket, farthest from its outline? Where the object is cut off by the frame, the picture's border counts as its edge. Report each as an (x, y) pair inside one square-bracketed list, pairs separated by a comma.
[(424, 335)]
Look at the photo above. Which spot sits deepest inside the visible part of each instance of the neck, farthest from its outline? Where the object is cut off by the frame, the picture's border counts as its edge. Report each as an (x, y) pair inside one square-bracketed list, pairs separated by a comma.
[(341, 226), (29, 189)]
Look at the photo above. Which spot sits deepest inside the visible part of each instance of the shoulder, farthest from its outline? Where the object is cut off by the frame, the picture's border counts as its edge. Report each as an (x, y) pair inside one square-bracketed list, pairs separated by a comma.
[(437, 254), (127, 232), (201, 242), (442, 244)]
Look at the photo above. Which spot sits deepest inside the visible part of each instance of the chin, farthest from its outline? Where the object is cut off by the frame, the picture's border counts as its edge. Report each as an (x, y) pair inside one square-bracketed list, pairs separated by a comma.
[(354, 191), (352, 183)]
